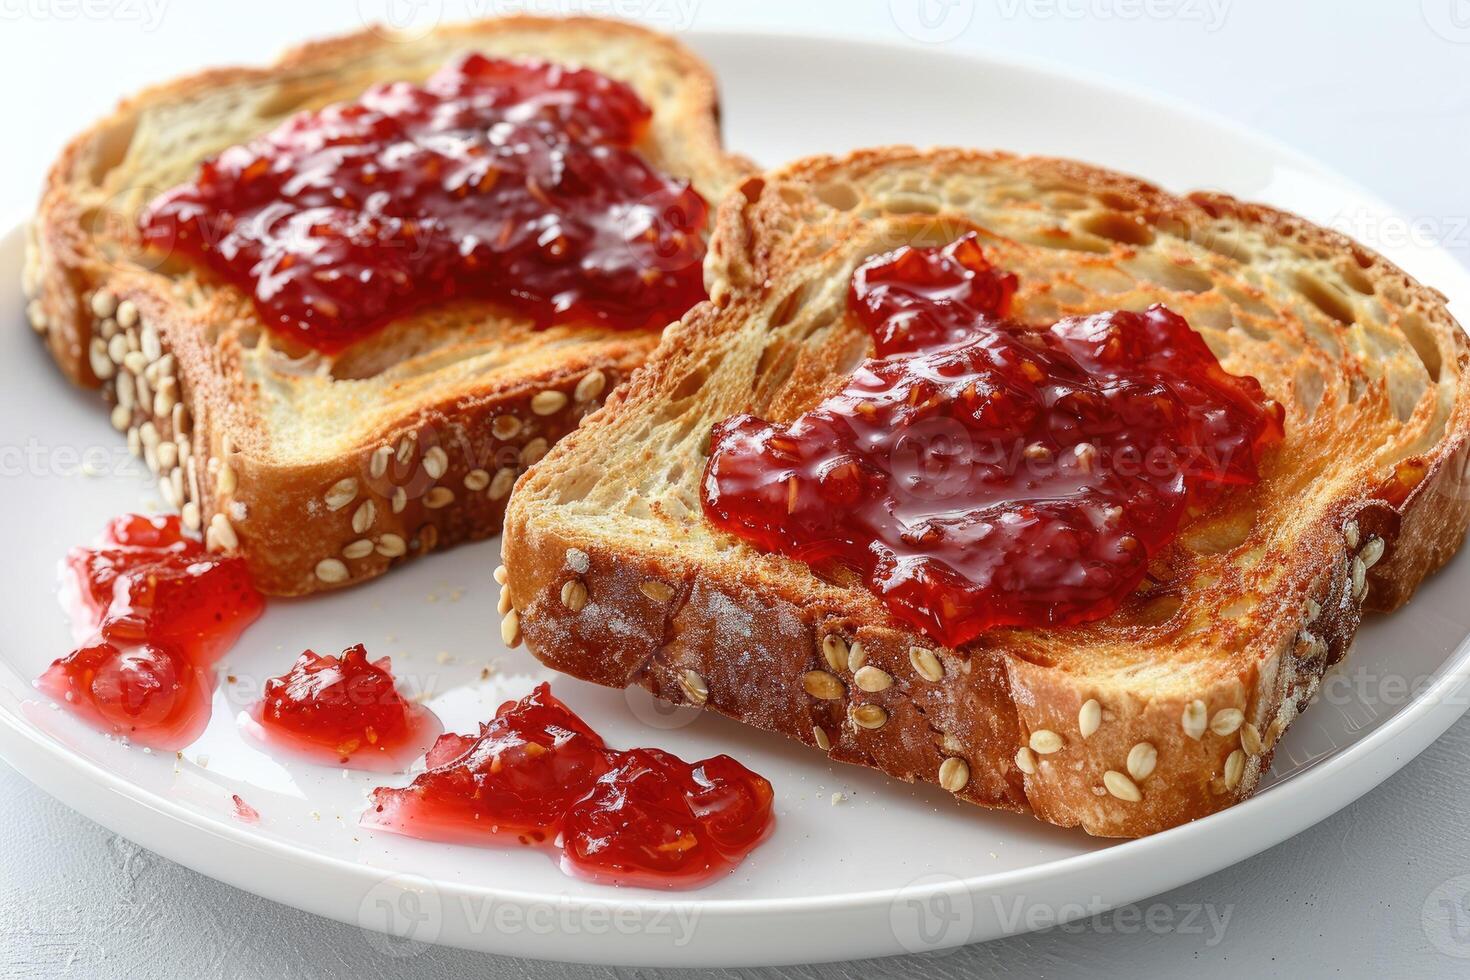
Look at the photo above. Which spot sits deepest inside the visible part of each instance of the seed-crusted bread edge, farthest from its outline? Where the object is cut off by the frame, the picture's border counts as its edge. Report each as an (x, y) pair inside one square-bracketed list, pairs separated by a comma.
[(449, 462), (1014, 734)]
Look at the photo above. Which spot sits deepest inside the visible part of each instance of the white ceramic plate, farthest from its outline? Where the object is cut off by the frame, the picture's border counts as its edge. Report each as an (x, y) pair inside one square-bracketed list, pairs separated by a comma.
[(882, 868)]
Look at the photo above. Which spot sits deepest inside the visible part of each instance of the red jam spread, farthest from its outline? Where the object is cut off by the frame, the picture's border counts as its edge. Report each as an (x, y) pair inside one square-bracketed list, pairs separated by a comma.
[(509, 181), (154, 611), (537, 775), (979, 472), (342, 711)]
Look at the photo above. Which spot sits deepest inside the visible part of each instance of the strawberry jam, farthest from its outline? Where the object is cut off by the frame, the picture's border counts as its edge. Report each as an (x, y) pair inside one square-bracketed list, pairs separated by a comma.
[(979, 472), (342, 711), (537, 775), (154, 611), (509, 181)]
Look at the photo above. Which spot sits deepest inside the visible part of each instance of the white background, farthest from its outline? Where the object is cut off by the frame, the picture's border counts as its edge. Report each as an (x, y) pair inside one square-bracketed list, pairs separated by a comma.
[(1378, 90)]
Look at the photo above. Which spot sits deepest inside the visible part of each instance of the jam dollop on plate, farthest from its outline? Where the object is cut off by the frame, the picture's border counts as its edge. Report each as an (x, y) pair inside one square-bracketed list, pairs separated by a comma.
[(344, 711), (512, 181), (537, 775), (153, 611), (980, 472)]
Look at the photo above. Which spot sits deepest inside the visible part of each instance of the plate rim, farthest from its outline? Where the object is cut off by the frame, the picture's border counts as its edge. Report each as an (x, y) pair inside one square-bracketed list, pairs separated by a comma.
[(1251, 826)]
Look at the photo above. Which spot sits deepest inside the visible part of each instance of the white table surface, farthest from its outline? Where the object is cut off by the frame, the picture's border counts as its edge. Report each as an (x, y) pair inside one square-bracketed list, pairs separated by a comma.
[(1378, 89)]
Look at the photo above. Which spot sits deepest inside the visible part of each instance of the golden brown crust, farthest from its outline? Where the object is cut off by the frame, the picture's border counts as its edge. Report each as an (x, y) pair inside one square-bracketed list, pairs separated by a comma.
[(207, 402), (1162, 713)]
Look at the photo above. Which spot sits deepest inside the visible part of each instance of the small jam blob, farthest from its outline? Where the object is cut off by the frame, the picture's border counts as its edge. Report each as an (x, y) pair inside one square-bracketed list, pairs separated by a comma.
[(509, 181), (537, 775), (342, 711), (244, 812), (979, 472), (154, 611)]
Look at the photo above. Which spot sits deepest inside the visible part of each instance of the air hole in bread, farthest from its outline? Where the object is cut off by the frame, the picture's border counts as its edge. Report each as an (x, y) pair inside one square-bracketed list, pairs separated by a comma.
[(1237, 607), (1306, 390), (910, 205), (574, 486), (111, 146), (286, 98), (1353, 276), (1067, 201), (752, 189), (1116, 201), (1103, 280), (1061, 239), (1247, 302), (1219, 534), (839, 197), (792, 195), (789, 306), (691, 383), (773, 369), (1066, 292), (1158, 611), (688, 421), (1250, 328), (816, 325), (1171, 275), (1212, 316), (1423, 343), (1117, 227), (1325, 297)]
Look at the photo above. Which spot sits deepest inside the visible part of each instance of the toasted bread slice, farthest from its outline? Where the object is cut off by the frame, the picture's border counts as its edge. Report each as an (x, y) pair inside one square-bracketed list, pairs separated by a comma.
[(323, 471), (1162, 712)]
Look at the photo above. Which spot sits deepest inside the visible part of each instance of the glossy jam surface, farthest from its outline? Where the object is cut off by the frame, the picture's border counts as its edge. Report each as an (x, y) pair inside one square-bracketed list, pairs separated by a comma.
[(979, 472), (343, 710), (538, 775), (153, 612), (509, 181)]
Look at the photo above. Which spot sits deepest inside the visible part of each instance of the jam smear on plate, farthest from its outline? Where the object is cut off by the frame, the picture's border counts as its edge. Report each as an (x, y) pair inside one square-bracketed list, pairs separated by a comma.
[(537, 775), (979, 472), (153, 611), (244, 812), (513, 181), (343, 710)]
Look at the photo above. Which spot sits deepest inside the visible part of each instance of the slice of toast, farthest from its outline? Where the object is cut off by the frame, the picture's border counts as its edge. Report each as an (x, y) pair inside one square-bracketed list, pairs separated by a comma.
[(1166, 710), (324, 471)]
